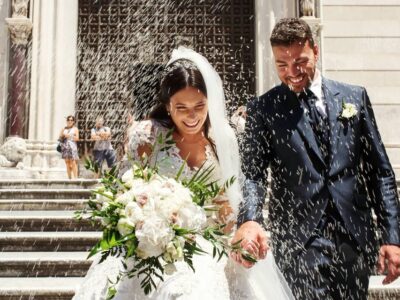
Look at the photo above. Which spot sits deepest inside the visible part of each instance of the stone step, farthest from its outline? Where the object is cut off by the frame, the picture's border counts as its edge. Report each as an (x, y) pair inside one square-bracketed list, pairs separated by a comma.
[(48, 241), (44, 204), (50, 288), (45, 193), (47, 184), (44, 264), (60, 288), (38, 220), (378, 291)]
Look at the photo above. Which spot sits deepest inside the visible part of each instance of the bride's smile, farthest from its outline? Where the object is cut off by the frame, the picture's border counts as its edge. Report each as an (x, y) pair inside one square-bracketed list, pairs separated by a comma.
[(188, 108), (192, 125)]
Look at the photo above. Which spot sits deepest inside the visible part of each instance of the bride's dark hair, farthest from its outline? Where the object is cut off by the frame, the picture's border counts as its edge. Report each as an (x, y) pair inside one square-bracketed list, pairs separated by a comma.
[(178, 75)]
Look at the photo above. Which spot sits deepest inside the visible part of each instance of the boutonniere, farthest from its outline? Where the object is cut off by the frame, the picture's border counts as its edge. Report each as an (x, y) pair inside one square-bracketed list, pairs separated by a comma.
[(349, 110)]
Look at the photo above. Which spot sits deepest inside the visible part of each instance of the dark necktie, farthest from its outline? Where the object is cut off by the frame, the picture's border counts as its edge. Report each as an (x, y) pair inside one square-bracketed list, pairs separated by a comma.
[(318, 122)]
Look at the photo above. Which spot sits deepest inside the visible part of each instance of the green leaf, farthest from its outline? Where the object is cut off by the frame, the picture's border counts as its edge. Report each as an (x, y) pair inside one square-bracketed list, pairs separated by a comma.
[(104, 245), (178, 175), (95, 249)]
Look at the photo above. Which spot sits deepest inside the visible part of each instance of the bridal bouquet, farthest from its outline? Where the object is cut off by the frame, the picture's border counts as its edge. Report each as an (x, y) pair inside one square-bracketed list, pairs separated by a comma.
[(154, 219)]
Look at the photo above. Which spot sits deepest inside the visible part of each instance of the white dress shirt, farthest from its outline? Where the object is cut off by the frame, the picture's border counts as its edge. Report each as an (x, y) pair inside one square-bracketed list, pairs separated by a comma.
[(316, 88)]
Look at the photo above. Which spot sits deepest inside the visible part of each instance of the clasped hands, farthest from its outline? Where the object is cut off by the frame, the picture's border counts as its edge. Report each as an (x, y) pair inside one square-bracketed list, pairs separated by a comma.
[(253, 240)]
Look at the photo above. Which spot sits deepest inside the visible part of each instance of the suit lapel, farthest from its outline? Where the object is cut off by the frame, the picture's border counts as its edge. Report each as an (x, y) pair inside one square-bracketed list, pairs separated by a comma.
[(334, 108), (298, 118)]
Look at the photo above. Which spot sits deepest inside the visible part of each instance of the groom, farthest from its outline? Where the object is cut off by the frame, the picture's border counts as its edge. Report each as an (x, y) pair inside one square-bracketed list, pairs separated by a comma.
[(329, 171)]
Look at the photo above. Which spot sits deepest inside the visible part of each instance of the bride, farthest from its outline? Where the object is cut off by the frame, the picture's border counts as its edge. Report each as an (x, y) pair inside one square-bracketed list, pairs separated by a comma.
[(192, 103)]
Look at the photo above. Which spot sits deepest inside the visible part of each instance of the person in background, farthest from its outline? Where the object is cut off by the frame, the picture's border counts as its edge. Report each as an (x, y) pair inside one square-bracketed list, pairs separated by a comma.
[(238, 119), (102, 149), (69, 136)]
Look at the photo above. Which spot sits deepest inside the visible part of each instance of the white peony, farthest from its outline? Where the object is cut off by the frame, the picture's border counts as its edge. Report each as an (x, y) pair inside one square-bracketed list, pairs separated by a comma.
[(191, 216), (153, 236), (125, 226), (171, 197), (134, 213)]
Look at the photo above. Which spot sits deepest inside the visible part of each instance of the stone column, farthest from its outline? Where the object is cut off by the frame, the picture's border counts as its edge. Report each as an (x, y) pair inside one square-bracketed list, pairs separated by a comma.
[(267, 13), (310, 11), (4, 66), (53, 77), (54, 60), (20, 29)]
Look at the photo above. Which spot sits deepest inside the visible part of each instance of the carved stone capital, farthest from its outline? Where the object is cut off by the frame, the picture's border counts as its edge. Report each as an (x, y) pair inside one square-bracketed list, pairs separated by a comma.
[(307, 8), (20, 8), (20, 30)]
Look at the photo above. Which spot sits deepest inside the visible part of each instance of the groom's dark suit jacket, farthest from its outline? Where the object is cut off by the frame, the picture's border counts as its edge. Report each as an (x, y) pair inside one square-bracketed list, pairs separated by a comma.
[(358, 178)]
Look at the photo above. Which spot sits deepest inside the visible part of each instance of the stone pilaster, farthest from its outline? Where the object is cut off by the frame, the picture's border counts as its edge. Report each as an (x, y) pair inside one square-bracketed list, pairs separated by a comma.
[(20, 29), (53, 72), (309, 11), (4, 66)]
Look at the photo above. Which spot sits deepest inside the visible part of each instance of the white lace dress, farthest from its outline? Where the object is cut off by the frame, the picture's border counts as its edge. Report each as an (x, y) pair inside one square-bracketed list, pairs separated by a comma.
[(223, 280)]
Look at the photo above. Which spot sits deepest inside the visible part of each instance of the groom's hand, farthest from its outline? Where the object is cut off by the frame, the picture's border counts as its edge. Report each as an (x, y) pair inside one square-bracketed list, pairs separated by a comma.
[(389, 257), (253, 240)]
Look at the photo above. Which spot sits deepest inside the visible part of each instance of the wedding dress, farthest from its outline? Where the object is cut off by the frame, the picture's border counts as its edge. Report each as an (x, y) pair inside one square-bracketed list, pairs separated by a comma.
[(223, 280)]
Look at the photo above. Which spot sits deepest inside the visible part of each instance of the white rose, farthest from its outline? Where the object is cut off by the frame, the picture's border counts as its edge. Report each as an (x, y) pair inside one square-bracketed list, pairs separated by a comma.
[(153, 236), (107, 197), (121, 212), (125, 226), (175, 251), (134, 212), (128, 176), (125, 198), (349, 110), (104, 206)]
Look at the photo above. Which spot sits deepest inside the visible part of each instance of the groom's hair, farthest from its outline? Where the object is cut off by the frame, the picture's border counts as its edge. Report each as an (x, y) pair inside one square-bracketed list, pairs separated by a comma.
[(289, 31)]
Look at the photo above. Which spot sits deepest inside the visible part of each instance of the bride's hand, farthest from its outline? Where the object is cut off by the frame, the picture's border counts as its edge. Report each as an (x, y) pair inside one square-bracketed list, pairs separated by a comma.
[(253, 239)]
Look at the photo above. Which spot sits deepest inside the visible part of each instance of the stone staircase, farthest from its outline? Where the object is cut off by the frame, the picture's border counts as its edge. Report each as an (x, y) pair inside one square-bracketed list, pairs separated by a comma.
[(43, 249)]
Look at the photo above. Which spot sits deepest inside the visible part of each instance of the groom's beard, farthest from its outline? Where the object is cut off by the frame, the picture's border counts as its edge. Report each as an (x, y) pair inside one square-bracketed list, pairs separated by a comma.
[(306, 86)]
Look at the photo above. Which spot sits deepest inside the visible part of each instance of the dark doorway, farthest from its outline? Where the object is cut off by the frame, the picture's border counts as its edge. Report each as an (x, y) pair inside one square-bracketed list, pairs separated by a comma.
[(123, 45)]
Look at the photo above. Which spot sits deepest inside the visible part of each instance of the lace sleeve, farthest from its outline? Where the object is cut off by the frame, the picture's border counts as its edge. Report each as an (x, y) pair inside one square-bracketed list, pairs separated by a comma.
[(139, 134)]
